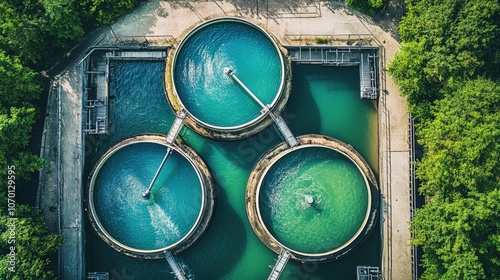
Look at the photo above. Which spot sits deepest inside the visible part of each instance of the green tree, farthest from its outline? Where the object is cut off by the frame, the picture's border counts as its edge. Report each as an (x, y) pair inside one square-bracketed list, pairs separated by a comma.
[(462, 142), (15, 132), (106, 11), (20, 27), (459, 236), (448, 40), (19, 83), (458, 227), (419, 88), (33, 245), (369, 7), (64, 17)]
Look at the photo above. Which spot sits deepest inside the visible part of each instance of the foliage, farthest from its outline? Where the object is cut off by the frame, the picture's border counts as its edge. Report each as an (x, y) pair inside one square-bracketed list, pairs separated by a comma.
[(21, 31), (458, 228), (460, 236), (15, 132), (369, 7), (449, 70), (106, 11), (462, 141), (64, 18), (33, 34), (321, 41), (33, 245), (18, 84), (407, 69), (447, 41)]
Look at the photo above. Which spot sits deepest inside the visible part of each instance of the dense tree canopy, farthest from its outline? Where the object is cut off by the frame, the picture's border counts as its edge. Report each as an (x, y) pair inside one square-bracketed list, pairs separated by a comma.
[(15, 132), (445, 41), (448, 68), (18, 83), (462, 141), (105, 11), (460, 236), (33, 35), (459, 227)]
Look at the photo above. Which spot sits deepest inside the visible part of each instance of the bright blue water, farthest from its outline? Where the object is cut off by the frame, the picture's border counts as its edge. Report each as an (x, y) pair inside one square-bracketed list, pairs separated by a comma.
[(209, 94), (321, 96), (340, 200), (172, 208)]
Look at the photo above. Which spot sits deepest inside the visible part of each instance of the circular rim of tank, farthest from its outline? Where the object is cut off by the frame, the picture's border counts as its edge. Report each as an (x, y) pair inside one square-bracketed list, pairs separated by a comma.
[(260, 117), (269, 159), (288, 151), (206, 207)]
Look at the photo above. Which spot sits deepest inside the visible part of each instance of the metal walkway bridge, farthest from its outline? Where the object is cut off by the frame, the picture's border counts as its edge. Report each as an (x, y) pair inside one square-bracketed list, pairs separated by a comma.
[(172, 134), (368, 76), (280, 123), (283, 258), (285, 131), (174, 265), (96, 98), (176, 126)]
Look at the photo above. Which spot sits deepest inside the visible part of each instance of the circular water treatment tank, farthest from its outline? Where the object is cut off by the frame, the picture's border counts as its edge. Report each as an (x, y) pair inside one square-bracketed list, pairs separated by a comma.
[(175, 214), (218, 106), (315, 200)]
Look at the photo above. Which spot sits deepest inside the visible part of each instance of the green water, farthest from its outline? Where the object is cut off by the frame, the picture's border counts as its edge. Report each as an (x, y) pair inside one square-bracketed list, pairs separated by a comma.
[(324, 100), (340, 200)]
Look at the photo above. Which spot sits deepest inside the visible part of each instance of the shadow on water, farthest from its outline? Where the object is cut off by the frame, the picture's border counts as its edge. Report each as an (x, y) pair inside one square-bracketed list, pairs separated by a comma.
[(226, 233), (219, 250), (345, 268), (243, 153), (302, 102), (101, 257), (136, 105)]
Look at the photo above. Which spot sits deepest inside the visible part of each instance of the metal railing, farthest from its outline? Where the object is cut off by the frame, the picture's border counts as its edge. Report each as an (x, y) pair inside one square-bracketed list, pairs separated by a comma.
[(331, 39), (413, 190), (145, 40), (385, 166), (58, 171)]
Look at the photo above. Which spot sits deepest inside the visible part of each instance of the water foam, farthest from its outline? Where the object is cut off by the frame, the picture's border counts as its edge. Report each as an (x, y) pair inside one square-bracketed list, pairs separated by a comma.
[(162, 225)]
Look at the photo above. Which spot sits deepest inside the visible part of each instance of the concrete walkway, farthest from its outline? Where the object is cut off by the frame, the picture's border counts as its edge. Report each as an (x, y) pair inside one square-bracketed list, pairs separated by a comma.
[(175, 18)]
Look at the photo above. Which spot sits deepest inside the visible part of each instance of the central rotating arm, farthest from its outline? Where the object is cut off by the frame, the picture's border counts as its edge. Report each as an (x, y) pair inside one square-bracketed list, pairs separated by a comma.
[(280, 123)]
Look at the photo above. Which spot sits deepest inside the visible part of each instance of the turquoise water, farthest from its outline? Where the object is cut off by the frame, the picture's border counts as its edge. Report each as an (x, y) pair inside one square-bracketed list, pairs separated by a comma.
[(340, 200), (147, 224), (230, 249), (209, 94), (326, 100)]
